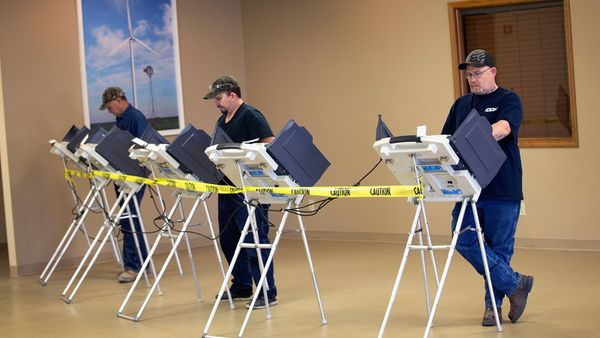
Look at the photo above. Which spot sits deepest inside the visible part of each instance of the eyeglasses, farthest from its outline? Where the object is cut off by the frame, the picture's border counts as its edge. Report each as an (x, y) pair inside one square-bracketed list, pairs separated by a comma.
[(476, 75)]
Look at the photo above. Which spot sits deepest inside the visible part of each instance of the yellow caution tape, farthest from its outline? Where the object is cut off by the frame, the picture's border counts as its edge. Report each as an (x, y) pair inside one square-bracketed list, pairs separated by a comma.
[(334, 191), (69, 173), (197, 186), (345, 191), (123, 177)]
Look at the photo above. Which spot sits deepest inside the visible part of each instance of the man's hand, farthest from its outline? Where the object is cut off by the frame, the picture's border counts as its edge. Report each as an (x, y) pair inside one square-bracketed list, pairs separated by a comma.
[(500, 129)]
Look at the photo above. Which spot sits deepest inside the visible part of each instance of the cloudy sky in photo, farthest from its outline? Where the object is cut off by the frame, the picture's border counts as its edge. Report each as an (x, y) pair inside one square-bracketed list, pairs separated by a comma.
[(105, 29)]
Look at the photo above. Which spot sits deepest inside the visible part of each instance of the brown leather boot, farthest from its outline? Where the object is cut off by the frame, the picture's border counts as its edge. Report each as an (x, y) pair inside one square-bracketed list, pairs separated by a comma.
[(518, 300), (488, 316)]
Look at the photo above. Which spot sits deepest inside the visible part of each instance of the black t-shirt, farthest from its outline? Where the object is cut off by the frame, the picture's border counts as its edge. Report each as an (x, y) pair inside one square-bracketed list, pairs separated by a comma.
[(501, 104), (247, 124)]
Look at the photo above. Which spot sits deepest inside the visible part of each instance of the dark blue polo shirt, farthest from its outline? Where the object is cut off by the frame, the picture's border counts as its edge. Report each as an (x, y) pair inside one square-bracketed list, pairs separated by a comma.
[(501, 104), (133, 121)]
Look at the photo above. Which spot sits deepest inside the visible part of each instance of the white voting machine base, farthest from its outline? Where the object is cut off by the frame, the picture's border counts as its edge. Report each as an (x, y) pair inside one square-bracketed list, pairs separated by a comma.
[(429, 161), (156, 158), (251, 165)]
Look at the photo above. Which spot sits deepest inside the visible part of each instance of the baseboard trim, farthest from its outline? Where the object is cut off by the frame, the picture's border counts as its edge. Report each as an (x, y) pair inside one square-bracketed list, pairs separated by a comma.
[(523, 243), (70, 263)]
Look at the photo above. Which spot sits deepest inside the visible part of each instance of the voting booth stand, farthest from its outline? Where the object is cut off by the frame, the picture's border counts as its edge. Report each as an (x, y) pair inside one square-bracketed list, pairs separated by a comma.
[(107, 155), (449, 169), (257, 165), (94, 200), (159, 158)]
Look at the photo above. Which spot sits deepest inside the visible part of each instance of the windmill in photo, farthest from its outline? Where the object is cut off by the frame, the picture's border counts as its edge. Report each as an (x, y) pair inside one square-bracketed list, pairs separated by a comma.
[(131, 39), (149, 70)]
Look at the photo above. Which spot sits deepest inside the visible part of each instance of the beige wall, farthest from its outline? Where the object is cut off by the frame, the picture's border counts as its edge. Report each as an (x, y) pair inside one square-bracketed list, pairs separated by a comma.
[(334, 65), (331, 65), (42, 93)]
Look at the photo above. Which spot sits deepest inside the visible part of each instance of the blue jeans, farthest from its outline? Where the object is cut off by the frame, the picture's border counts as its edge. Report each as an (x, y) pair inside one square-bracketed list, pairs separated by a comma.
[(498, 221), (131, 259), (232, 218)]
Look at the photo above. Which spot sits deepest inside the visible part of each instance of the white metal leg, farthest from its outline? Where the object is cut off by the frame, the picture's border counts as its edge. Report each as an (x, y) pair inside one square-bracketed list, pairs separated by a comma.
[(144, 267), (225, 283), (145, 238), (258, 247), (108, 227), (217, 252), (312, 269), (488, 277), (165, 265), (133, 234), (64, 244), (424, 268), (113, 238), (263, 276), (193, 264), (401, 270)]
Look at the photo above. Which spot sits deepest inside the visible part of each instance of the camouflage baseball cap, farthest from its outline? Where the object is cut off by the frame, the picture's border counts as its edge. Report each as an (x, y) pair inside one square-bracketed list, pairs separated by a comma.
[(478, 58), (223, 83), (111, 93)]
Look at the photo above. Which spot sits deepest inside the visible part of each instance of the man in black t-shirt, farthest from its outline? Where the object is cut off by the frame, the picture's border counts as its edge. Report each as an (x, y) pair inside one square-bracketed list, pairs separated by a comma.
[(242, 122), (500, 202)]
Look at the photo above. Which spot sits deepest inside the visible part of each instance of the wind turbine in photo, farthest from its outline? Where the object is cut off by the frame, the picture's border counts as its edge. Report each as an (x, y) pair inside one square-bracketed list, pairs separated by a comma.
[(130, 40)]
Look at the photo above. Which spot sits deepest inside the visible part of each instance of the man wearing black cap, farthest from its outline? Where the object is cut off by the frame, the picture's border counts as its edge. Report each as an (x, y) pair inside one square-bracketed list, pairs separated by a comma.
[(500, 202), (242, 122), (130, 119)]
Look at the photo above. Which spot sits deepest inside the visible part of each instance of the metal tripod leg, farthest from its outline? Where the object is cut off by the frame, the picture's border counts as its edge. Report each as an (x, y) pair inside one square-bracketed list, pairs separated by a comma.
[(65, 243), (164, 209), (114, 242), (108, 226), (217, 252), (424, 267), (430, 244), (145, 239), (71, 185), (192, 263), (488, 277), (401, 270), (164, 267), (423, 226), (265, 269), (312, 269), (228, 274), (133, 233), (190, 255), (261, 265), (455, 235)]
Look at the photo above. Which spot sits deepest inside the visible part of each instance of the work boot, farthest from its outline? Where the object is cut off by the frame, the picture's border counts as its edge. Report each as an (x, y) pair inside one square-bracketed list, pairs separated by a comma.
[(127, 276), (518, 300), (488, 316)]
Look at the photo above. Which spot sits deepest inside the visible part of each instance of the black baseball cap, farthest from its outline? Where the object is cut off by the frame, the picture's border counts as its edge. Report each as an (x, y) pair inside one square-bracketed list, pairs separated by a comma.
[(478, 58)]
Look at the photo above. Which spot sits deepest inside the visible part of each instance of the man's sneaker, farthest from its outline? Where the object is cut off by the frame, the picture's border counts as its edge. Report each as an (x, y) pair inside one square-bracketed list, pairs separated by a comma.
[(236, 295), (127, 276), (260, 303)]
